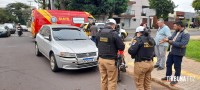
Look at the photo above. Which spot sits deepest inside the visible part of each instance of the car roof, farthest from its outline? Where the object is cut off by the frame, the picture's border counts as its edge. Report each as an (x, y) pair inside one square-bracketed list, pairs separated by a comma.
[(60, 25), (95, 23), (99, 23), (2, 25), (8, 23)]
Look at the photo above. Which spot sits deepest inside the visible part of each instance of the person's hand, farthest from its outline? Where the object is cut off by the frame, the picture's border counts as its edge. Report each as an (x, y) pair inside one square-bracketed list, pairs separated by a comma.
[(162, 41), (165, 39), (170, 41)]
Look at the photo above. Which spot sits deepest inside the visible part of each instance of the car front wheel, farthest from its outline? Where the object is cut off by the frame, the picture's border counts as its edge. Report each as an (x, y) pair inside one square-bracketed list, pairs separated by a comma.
[(37, 51), (53, 64), (8, 34)]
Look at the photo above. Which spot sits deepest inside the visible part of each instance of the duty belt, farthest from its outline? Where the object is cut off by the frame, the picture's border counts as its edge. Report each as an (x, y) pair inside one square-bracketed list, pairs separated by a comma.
[(144, 61)]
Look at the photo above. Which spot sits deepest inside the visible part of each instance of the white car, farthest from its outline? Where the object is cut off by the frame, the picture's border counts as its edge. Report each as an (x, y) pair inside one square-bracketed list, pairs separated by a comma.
[(24, 28), (66, 47)]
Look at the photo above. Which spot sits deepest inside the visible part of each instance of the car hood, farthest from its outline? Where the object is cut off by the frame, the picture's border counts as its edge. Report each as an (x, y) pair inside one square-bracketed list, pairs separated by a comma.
[(78, 46), (2, 30)]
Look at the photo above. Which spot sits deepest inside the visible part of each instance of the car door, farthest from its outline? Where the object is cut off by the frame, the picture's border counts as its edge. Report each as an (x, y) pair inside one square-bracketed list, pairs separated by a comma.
[(40, 39), (47, 42)]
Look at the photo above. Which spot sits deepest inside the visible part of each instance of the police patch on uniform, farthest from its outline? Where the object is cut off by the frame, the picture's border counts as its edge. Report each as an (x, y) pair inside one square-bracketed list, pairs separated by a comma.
[(147, 45), (103, 39)]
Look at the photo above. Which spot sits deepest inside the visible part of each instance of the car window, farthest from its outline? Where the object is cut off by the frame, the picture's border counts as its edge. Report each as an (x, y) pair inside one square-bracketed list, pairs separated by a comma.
[(2, 27), (45, 31), (41, 30), (78, 20), (101, 25), (68, 34)]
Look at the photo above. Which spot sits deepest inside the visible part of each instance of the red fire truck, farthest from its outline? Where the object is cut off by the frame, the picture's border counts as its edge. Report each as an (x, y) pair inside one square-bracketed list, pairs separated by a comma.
[(74, 18)]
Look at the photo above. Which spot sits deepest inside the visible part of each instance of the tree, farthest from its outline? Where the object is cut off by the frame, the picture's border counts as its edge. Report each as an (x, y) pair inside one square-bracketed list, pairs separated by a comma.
[(20, 11), (196, 5), (162, 7), (120, 6), (43, 3), (61, 4), (5, 17), (96, 7)]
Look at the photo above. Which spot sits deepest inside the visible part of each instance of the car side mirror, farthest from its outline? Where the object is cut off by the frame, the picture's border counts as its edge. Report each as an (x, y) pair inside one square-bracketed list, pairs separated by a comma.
[(47, 37)]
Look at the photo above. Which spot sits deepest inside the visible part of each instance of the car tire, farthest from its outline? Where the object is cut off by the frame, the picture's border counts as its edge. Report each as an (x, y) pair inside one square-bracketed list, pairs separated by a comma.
[(37, 51), (8, 34), (123, 36), (53, 63)]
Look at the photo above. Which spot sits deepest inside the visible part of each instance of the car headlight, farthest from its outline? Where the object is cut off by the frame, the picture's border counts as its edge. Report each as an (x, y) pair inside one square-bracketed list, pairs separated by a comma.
[(67, 54)]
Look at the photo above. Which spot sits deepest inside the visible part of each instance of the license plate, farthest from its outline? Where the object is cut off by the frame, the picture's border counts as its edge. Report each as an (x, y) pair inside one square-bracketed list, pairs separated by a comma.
[(88, 59)]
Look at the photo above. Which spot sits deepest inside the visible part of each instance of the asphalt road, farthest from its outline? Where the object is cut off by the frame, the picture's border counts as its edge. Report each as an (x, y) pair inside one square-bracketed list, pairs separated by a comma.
[(20, 69), (153, 34)]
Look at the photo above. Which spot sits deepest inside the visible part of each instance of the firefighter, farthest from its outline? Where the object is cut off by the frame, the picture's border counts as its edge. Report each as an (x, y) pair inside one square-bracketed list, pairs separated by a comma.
[(109, 45), (142, 49), (87, 30)]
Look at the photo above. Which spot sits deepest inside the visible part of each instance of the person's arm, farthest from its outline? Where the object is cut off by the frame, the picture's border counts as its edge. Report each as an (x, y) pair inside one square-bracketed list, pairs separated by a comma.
[(168, 32), (184, 41), (97, 39), (96, 29), (119, 43), (134, 48)]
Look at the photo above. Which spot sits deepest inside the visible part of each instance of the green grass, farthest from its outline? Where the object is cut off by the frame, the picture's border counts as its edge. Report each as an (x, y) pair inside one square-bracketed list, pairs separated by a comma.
[(193, 50)]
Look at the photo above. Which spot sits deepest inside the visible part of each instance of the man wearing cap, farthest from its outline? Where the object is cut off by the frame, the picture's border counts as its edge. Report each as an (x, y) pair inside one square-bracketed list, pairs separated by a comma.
[(109, 46), (142, 49)]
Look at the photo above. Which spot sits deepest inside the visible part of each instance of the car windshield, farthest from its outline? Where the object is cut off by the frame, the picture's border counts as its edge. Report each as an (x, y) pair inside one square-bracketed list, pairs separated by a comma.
[(68, 34), (2, 27), (9, 25), (101, 25), (23, 26)]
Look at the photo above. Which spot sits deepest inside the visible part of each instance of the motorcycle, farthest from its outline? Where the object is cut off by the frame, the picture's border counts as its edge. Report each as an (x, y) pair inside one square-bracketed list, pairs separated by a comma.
[(121, 67), (19, 31)]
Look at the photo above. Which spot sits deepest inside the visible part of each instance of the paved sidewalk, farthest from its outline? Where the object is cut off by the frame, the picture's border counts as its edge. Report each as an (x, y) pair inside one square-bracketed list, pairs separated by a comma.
[(190, 68), (195, 37)]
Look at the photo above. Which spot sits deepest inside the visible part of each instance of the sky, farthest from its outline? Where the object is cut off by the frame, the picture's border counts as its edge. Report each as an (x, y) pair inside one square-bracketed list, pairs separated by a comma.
[(183, 5), (3, 3)]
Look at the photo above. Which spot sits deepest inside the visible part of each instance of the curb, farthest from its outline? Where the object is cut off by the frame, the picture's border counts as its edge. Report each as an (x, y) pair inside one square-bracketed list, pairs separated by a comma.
[(165, 84)]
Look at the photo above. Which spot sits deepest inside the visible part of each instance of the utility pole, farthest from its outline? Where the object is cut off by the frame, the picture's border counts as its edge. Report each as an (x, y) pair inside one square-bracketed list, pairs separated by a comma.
[(30, 3)]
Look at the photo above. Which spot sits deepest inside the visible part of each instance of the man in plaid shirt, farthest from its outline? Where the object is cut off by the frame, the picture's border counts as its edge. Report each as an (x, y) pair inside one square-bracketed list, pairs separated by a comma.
[(178, 42)]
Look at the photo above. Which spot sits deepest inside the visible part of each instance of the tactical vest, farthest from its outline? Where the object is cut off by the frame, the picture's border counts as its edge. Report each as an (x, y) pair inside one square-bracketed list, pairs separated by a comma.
[(106, 44), (145, 51)]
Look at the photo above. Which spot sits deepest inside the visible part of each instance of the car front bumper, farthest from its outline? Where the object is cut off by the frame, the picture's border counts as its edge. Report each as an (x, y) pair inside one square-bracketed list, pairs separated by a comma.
[(3, 34), (75, 63)]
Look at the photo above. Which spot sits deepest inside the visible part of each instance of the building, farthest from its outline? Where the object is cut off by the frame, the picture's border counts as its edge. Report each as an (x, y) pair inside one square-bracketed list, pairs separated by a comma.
[(187, 17), (141, 12), (137, 12)]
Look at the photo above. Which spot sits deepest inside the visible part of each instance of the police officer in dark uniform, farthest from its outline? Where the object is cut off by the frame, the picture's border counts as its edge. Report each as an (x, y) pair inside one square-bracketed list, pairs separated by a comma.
[(142, 49), (109, 45)]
